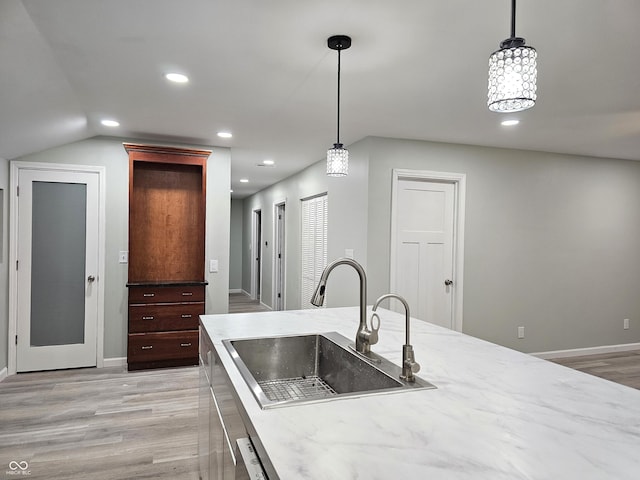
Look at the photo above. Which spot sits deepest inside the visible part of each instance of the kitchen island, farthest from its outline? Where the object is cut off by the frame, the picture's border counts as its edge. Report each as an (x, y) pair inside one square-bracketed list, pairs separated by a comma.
[(496, 413)]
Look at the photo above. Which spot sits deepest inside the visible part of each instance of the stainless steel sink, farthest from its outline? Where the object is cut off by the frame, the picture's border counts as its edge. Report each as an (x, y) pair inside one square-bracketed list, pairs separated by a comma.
[(286, 370)]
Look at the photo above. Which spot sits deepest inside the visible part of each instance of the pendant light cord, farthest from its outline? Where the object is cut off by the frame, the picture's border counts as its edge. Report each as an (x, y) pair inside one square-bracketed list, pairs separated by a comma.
[(338, 122), (513, 18)]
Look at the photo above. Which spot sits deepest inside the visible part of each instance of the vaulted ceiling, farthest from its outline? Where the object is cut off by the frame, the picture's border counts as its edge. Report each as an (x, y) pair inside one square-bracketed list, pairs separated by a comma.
[(417, 69)]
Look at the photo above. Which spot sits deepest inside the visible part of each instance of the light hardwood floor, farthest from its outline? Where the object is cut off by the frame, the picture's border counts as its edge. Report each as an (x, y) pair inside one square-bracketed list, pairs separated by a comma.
[(242, 303), (620, 367), (101, 424)]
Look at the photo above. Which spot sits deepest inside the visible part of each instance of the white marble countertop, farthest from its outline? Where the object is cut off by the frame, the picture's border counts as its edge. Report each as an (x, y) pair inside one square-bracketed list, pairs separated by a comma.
[(496, 414)]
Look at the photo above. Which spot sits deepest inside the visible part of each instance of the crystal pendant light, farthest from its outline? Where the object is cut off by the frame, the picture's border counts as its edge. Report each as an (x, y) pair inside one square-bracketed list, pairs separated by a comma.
[(512, 73), (338, 156)]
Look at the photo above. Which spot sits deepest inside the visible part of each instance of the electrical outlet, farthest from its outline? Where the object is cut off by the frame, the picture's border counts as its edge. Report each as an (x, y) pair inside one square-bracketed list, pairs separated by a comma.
[(520, 332), (625, 324)]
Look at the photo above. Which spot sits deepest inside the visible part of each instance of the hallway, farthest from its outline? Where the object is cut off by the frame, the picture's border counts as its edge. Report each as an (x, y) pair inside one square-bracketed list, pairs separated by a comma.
[(242, 303)]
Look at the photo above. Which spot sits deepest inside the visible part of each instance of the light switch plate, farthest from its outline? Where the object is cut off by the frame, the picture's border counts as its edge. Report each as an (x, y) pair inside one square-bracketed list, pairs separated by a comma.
[(213, 266), (123, 256)]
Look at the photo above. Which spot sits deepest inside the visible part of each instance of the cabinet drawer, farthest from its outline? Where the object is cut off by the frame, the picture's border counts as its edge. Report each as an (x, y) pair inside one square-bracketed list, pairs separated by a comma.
[(158, 318), (149, 347), (160, 294)]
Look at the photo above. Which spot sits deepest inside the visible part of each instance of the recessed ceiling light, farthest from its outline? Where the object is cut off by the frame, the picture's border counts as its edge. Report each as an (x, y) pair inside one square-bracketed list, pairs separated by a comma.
[(268, 162), (110, 123), (509, 123), (225, 134), (244, 180), (177, 77)]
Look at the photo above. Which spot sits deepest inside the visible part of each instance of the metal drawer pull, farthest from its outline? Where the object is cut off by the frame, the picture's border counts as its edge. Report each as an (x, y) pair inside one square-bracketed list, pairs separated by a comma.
[(187, 294), (147, 318), (148, 294), (147, 347), (185, 344), (186, 315)]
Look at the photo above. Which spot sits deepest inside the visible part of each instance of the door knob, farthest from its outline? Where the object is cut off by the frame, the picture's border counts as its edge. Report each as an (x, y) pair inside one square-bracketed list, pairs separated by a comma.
[(91, 278), (448, 282)]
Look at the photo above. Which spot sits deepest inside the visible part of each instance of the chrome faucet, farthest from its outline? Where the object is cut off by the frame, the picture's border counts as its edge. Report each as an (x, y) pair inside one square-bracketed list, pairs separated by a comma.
[(409, 364), (364, 337)]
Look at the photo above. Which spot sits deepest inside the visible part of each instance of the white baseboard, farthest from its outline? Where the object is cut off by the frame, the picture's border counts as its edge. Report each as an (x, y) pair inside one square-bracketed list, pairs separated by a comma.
[(578, 352), (265, 305), (108, 362), (240, 290), (115, 362)]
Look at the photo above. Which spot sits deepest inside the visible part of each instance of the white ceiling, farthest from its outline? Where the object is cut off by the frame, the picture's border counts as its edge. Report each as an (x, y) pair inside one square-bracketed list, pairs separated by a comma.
[(417, 69)]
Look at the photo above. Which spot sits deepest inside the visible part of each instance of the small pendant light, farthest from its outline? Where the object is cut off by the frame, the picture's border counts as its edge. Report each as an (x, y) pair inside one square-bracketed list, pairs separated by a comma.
[(512, 73), (338, 156)]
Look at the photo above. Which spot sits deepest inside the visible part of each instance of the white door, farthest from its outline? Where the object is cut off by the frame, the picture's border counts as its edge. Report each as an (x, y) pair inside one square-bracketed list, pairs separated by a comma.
[(57, 260), (256, 246), (424, 223), (278, 289)]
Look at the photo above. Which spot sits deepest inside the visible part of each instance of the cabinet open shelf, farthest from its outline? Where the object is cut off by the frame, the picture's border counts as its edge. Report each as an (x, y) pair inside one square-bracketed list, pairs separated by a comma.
[(167, 198)]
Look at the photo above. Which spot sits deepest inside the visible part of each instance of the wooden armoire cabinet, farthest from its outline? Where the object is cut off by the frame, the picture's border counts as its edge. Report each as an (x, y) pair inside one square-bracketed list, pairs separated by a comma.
[(167, 196)]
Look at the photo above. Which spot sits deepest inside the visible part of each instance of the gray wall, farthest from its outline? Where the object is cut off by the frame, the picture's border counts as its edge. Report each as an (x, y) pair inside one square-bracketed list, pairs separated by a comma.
[(551, 240), (109, 152), (235, 247), (218, 224), (4, 261), (347, 229), (550, 244)]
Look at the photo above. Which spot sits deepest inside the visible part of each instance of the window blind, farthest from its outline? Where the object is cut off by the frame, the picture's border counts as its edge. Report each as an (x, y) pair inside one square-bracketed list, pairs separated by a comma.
[(314, 245)]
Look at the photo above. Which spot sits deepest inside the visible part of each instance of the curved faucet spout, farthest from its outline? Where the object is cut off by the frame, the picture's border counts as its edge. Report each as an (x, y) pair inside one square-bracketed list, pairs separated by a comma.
[(407, 314), (409, 364), (363, 336)]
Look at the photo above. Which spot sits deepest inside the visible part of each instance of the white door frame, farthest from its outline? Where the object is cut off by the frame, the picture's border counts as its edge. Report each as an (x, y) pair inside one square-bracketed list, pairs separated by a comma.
[(459, 182), (256, 236), (276, 248), (13, 253)]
